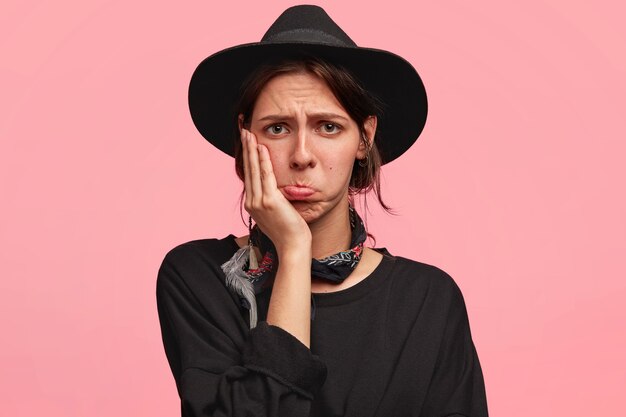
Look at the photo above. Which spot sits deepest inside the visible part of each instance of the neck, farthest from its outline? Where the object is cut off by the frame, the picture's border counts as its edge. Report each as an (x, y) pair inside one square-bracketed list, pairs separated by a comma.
[(332, 233)]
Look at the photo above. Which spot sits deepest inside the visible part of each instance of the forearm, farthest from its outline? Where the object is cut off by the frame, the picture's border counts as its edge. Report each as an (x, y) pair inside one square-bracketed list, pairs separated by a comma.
[(218, 370), (290, 306)]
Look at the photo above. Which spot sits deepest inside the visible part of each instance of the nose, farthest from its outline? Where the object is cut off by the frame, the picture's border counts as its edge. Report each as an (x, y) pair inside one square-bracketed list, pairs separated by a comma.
[(302, 155)]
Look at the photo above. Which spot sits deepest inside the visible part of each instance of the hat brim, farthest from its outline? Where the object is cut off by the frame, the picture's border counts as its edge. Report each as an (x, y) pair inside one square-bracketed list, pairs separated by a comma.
[(215, 84)]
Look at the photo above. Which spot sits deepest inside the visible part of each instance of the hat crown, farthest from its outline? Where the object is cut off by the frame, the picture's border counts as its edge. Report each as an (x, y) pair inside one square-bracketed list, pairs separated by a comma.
[(306, 24)]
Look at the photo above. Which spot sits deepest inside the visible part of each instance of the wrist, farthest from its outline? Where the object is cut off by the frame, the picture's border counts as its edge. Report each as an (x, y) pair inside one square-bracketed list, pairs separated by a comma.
[(301, 249), (298, 254)]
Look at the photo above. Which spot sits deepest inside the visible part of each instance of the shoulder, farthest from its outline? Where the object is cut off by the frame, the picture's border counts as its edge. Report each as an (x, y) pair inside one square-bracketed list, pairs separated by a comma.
[(423, 300), (191, 293), (425, 280), (209, 249), (196, 263), (196, 248)]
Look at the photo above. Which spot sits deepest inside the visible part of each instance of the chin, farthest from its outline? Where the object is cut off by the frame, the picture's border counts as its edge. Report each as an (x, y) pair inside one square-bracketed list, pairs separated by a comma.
[(310, 212)]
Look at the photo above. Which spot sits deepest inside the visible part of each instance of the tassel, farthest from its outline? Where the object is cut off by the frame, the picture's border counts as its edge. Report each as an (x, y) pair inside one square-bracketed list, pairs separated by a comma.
[(254, 262), (238, 282)]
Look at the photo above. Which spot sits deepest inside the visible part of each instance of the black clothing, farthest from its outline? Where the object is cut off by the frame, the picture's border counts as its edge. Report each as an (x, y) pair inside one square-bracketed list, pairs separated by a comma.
[(397, 343)]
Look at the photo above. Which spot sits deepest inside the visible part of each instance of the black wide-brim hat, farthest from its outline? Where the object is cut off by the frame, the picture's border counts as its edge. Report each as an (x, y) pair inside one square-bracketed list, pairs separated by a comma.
[(215, 84)]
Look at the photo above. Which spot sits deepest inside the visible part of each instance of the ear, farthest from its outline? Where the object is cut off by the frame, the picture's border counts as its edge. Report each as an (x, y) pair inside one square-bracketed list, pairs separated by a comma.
[(370, 131)]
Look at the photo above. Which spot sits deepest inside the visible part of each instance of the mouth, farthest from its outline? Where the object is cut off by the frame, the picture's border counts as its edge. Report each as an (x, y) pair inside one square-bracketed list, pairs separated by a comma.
[(297, 192)]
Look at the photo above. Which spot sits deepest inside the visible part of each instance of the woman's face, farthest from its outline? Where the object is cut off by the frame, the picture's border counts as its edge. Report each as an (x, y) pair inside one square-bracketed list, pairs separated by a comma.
[(311, 139)]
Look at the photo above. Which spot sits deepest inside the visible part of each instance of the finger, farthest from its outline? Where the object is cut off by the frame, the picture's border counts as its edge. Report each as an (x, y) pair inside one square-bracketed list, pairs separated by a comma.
[(246, 168), (255, 175), (268, 180)]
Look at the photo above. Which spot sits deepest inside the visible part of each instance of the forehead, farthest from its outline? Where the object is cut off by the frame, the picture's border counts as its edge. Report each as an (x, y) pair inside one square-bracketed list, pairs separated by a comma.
[(300, 91)]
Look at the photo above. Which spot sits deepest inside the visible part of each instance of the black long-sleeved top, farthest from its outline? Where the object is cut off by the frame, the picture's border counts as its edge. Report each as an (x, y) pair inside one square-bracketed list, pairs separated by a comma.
[(398, 343)]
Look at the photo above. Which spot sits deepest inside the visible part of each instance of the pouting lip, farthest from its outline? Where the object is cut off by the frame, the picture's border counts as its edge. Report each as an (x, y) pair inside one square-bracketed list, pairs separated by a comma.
[(298, 192)]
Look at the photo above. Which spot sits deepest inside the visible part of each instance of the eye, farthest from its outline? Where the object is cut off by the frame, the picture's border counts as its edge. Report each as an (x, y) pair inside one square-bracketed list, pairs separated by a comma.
[(276, 129), (330, 128)]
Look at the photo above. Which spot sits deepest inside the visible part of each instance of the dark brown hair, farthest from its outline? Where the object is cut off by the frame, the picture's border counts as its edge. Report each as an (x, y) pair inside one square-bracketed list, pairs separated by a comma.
[(357, 102)]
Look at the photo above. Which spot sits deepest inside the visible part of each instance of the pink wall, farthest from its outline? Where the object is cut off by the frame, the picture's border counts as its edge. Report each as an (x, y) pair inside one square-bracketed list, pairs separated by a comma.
[(513, 189)]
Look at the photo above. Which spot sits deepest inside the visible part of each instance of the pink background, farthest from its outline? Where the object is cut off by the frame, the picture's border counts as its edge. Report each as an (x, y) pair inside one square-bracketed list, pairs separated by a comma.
[(513, 189)]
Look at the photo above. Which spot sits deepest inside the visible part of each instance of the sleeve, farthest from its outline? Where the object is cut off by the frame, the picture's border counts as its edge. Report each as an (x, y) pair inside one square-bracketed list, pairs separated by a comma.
[(218, 372), (457, 387)]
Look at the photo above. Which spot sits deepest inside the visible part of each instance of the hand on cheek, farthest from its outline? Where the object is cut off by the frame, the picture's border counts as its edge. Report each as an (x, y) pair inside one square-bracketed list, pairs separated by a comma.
[(274, 214)]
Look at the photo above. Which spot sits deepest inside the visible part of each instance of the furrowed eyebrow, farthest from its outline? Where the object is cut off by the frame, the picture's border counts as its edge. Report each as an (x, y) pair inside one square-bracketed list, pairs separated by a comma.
[(278, 117)]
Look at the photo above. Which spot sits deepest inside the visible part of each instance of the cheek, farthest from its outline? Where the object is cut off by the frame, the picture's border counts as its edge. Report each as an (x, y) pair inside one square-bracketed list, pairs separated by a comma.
[(278, 159), (339, 167)]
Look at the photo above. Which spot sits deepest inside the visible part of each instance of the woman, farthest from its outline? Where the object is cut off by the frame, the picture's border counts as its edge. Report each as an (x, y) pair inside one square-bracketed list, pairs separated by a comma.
[(299, 318)]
